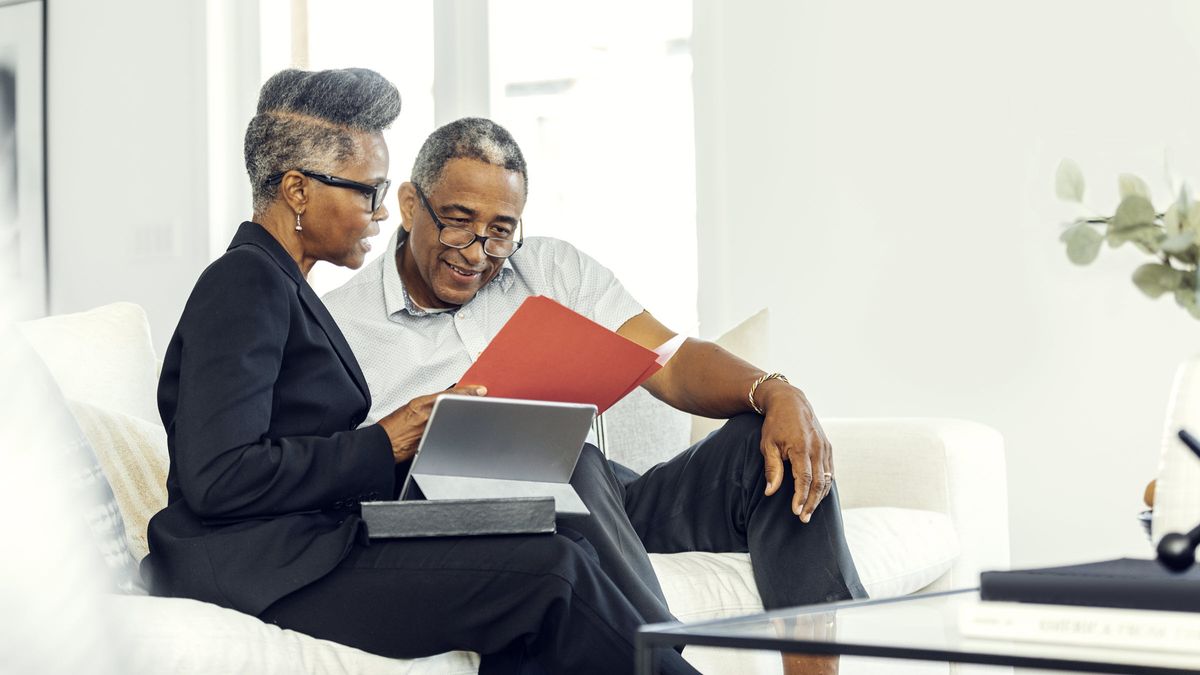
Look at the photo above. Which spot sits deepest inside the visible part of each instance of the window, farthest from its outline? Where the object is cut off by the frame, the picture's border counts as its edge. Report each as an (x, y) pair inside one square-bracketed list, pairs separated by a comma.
[(599, 95)]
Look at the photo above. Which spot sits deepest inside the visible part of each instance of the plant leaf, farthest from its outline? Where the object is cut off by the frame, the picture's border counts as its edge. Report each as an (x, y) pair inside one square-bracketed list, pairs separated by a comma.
[(1185, 297), (1147, 237), (1172, 220), (1134, 211), (1178, 244), (1192, 220), (1069, 229), (1154, 279), (1068, 181), (1129, 184), (1083, 243)]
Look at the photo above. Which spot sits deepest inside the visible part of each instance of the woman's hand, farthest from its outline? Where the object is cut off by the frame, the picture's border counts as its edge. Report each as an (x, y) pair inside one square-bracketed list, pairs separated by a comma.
[(406, 425)]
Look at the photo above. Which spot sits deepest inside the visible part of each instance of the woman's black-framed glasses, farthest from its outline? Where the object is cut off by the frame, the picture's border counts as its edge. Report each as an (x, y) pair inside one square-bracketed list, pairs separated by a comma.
[(460, 237), (377, 192)]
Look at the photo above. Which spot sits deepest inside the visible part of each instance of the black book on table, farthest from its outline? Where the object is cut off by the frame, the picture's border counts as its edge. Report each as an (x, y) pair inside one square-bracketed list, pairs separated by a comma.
[(459, 517), (1126, 583)]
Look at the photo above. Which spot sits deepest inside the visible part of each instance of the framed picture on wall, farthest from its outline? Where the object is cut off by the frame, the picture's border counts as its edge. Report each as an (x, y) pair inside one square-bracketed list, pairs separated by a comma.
[(23, 266)]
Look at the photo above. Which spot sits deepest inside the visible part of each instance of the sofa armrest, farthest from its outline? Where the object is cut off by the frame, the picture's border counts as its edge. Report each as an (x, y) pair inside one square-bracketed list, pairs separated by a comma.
[(953, 467)]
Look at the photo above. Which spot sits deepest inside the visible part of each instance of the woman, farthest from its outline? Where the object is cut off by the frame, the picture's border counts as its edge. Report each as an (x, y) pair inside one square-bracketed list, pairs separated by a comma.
[(261, 398)]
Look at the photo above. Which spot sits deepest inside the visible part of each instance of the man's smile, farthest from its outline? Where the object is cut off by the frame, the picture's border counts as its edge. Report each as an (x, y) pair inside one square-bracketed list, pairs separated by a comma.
[(463, 272)]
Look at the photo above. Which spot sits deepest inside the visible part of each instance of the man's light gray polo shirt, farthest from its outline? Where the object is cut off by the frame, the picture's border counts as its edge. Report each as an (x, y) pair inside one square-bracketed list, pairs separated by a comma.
[(406, 352)]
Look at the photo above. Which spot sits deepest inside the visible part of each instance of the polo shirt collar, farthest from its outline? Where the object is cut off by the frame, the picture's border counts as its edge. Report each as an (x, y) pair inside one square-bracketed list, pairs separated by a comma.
[(396, 298)]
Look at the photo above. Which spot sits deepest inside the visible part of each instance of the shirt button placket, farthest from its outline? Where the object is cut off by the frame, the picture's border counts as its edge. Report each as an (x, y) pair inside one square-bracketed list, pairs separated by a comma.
[(468, 333)]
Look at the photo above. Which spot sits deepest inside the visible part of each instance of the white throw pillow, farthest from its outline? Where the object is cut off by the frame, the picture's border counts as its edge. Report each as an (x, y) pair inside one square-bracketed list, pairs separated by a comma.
[(103, 356), (133, 455), (897, 551)]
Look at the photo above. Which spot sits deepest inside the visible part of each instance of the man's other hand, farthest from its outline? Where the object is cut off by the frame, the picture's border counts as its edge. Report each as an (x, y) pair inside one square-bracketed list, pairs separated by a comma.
[(406, 425), (792, 435)]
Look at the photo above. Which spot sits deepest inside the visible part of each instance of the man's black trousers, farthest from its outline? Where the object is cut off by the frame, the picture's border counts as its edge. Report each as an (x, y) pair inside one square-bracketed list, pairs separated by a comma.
[(571, 602)]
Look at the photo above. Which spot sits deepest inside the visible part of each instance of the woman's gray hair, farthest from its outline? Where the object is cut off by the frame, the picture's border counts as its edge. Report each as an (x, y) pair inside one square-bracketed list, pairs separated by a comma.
[(469, 137), (308, 120)]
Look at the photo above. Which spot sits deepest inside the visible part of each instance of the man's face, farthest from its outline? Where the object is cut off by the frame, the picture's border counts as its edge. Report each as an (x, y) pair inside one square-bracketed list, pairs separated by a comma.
[(481, 197)]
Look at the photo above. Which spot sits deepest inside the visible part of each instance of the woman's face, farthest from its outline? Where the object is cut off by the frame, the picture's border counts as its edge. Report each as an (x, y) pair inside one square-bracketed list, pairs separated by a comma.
[(339, 220)]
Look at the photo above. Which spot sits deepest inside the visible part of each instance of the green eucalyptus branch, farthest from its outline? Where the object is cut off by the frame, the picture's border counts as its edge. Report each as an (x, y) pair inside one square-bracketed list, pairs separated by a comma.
[(1168, 236)]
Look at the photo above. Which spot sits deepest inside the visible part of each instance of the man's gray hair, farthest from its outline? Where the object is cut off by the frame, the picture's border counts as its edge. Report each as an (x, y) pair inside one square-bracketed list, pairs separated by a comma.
[(308, 120), (472, 138)]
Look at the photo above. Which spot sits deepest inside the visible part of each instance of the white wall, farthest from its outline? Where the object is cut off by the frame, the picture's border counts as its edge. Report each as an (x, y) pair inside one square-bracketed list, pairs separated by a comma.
[(135, 178), (881, 175)]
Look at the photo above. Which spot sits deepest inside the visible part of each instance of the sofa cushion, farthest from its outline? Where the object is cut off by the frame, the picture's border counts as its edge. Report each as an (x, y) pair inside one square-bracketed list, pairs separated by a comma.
[(897, 551), (41, 423), (182, 636), (103, 356), (52, 571), (133, 454), (641, 431)]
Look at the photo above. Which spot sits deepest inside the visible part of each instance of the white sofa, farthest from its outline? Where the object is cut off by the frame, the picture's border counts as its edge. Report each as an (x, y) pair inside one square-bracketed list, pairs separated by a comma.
[(925, 507)]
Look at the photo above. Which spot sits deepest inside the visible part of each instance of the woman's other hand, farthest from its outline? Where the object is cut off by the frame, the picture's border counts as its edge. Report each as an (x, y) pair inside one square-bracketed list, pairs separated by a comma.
[(406, 425)]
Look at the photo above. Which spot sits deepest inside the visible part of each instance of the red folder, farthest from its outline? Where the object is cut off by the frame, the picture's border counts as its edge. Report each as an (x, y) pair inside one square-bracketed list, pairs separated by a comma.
[(547, 352)]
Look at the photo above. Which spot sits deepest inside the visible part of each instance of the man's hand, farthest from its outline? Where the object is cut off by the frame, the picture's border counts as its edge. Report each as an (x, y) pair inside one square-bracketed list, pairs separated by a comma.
[(792, 434), (406, 425)]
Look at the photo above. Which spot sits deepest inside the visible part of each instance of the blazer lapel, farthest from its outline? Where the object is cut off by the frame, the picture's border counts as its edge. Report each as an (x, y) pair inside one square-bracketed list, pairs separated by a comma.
[(309, 297), (255, 235)]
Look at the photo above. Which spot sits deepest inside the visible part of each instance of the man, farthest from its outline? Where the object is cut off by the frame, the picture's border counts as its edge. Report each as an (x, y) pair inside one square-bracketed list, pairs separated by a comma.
[(457, 269)]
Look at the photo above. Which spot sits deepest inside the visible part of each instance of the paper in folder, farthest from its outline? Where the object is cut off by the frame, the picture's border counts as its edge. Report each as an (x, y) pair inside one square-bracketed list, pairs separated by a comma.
[(547, 352)]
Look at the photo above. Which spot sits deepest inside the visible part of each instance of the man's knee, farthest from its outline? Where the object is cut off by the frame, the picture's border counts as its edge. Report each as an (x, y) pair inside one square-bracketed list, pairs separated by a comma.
[(558, 571), (744, 430), (745, 424), (591, 455), (555, 555)]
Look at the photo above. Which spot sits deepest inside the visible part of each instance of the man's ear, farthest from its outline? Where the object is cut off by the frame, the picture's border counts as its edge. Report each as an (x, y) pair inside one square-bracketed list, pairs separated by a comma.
[(293, 188), (407, 196)]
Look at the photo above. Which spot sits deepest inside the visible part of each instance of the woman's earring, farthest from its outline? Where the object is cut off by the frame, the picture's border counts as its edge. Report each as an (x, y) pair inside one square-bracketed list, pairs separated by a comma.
[(298, 226)]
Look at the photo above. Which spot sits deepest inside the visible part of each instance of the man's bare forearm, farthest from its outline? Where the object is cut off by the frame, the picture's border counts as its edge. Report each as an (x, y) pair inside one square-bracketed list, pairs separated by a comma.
[(702, 378)]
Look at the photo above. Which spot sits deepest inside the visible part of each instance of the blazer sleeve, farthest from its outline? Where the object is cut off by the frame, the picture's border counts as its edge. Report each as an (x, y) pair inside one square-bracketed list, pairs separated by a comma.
[(233, 338)]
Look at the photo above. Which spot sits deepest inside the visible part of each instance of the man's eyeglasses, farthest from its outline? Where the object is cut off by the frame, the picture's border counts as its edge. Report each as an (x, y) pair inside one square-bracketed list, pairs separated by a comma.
[(460, 237), (377, 192)]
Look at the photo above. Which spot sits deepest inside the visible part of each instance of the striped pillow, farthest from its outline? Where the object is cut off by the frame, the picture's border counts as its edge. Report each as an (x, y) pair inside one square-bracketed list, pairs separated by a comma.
[(133, 454)]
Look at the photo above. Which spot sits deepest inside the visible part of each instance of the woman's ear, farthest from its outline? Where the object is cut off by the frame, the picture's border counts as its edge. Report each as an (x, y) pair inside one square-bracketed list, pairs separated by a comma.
[(407, 196), (294, 190)]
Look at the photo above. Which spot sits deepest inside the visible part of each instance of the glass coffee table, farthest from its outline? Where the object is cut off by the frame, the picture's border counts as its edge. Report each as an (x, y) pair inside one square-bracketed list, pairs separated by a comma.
[(912, 628)]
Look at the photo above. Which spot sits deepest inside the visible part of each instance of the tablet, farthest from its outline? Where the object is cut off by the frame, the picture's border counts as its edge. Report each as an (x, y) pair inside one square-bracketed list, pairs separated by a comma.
[(480, 447)]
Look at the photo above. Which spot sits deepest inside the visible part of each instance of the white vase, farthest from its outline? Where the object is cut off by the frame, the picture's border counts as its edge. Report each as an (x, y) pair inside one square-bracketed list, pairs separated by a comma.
[(1177, 492)]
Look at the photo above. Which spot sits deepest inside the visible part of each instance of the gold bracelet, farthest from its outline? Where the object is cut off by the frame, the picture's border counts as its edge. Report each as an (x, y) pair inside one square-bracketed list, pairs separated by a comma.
[(753, 387)]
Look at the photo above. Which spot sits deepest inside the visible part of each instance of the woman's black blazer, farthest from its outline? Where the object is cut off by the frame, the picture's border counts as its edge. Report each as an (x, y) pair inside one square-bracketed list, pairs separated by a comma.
[(261, 398)]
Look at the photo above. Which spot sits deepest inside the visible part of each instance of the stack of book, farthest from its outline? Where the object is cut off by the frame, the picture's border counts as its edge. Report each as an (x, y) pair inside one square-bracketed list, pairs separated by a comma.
[(1123, 604)]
